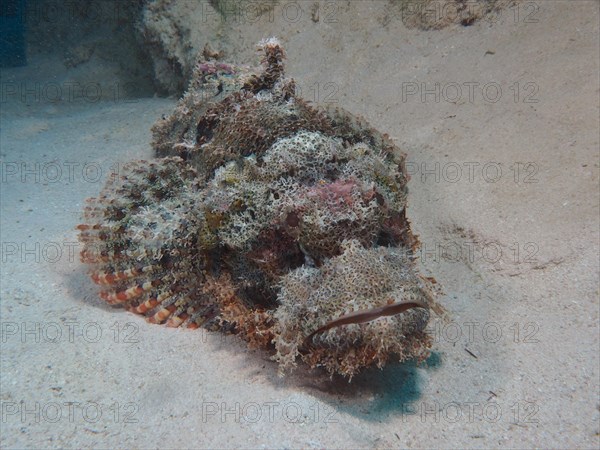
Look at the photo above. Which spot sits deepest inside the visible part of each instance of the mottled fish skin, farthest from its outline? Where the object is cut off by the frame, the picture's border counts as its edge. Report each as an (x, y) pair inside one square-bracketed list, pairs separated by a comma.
[(268, 217)]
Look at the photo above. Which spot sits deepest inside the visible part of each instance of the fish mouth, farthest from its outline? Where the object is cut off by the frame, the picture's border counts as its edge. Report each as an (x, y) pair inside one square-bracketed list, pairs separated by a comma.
[(364, 316)]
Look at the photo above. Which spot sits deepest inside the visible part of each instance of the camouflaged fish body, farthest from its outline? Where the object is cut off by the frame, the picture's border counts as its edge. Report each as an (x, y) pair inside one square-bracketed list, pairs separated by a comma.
[(268, 217)]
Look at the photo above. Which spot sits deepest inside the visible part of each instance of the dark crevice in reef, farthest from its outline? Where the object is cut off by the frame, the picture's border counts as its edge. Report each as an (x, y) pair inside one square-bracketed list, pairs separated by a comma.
[(96, 42)]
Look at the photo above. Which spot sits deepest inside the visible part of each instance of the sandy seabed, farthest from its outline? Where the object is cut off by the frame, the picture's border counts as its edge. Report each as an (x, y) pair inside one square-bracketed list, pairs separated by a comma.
[(504, 195)]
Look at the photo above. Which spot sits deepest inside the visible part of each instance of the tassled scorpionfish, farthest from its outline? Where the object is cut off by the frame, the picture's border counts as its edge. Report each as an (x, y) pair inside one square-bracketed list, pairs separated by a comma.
[(266, 217)]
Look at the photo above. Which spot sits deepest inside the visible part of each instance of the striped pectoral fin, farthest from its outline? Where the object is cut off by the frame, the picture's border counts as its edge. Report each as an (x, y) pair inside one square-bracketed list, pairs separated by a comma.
[(146, 306), (117, 297), (162, 314), (149, 305), (107, 278), (182, 313), (177, 320)]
